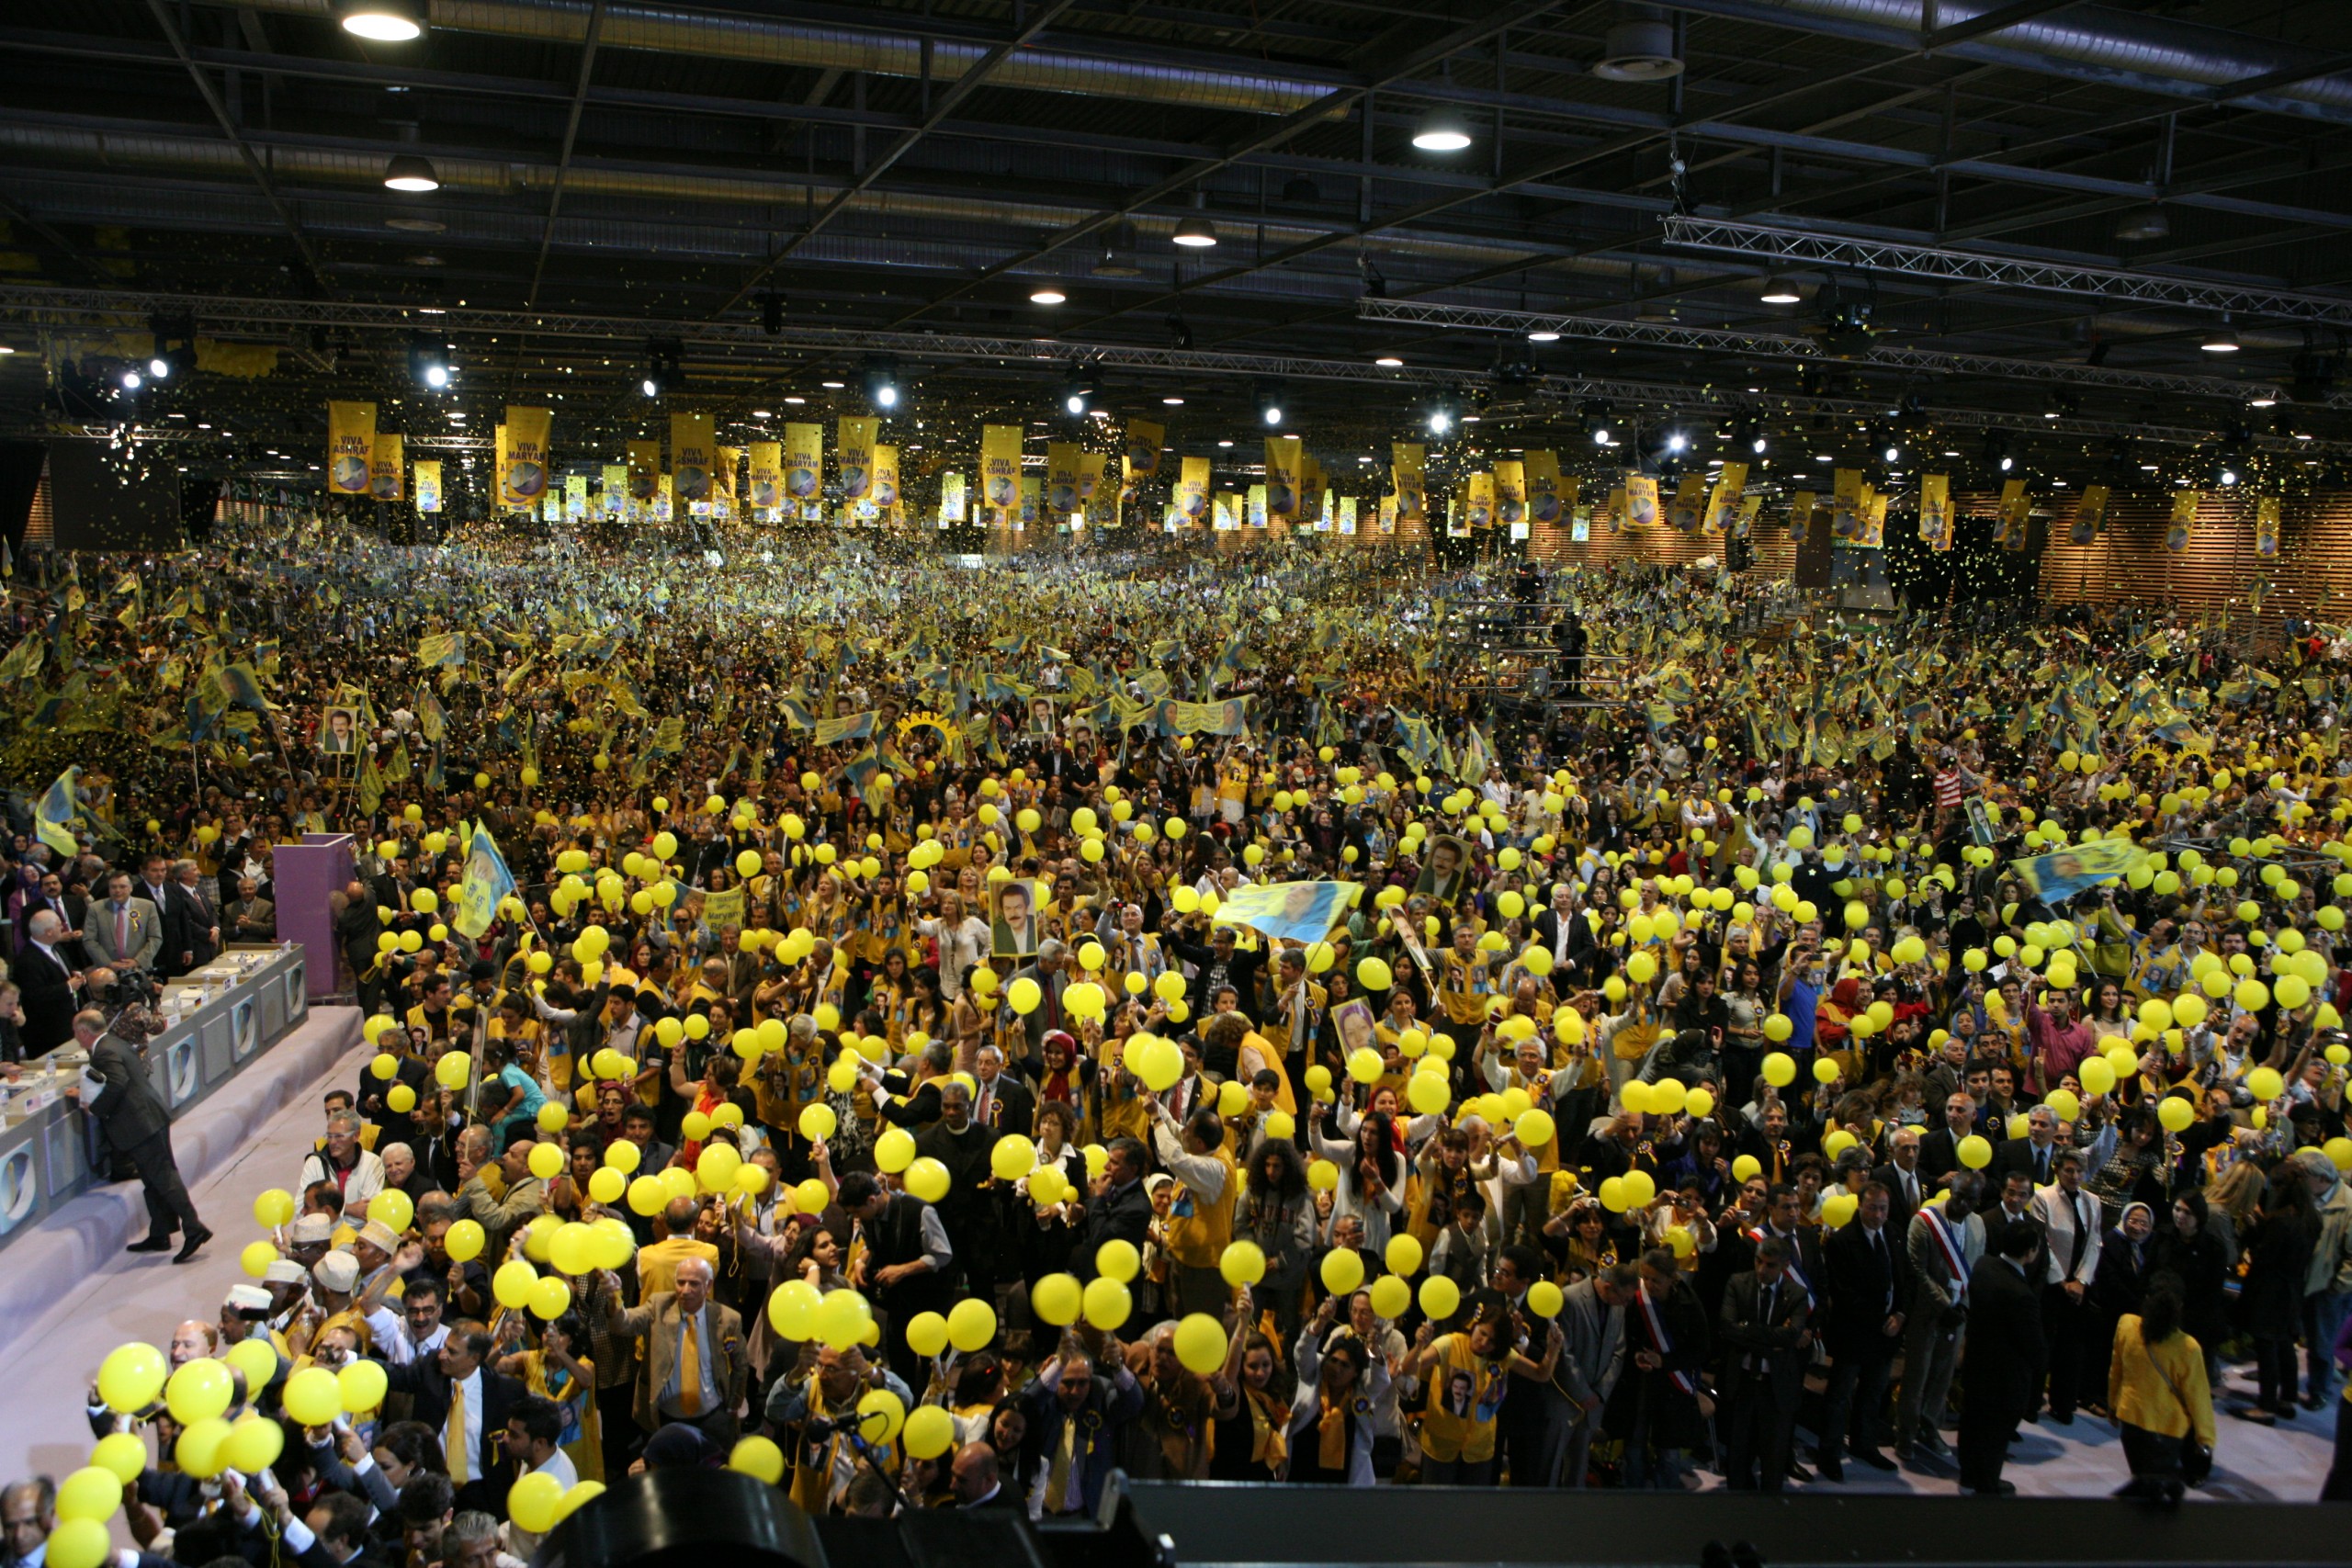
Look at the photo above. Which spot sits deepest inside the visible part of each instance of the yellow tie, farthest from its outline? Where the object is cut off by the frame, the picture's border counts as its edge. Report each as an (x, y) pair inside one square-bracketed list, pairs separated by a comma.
[(1057, 1477), (460, 1461), (690, 1370)]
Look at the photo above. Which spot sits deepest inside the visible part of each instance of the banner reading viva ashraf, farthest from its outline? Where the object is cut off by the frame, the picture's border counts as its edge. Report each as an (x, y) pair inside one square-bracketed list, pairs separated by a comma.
[(1000, 474), (1143, 442), (1192, 491), (351, 447), (384, 469), (693, 459)]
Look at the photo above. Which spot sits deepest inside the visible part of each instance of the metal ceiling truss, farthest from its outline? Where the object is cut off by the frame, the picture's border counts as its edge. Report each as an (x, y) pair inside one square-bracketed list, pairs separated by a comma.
[(1830, 250), (104, 310), (1773, 345)]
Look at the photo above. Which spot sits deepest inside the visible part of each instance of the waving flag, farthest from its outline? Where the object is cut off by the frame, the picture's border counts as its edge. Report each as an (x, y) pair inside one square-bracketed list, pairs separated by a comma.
[(486, 882)]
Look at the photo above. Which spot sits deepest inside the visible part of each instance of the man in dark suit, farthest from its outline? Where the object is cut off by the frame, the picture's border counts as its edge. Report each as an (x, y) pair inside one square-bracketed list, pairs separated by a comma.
[(1767, 1339), (2035, 1153), (1870, 1290), (1000, 1101), (115, 1090), (975, 1481), (1907, 1189), (466, 1402), (50, 979), (185, 921), (2005, 1356), (1939, 1150), (1119, 1208)]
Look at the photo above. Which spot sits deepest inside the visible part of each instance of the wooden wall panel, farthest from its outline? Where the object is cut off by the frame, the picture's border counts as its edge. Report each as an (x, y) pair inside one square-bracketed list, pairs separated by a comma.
[(1775, 556), (2128, 560)]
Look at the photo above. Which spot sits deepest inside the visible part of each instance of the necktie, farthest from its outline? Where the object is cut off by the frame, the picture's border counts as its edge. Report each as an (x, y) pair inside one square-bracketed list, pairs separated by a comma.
[(689, 1368), (988, 1104), (121, 929), (455, 1447), (1057, 1477), (2041, 1164)]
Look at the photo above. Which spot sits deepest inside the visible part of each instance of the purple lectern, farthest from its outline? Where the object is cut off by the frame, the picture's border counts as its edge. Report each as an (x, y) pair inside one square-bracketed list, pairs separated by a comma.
[(308, 875)]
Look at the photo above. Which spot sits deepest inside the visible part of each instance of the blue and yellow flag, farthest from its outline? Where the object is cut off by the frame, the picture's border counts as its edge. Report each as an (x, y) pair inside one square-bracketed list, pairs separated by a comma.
[(486, 882), (54, 815), (2060, 875), (441, 650), (1293, 911)]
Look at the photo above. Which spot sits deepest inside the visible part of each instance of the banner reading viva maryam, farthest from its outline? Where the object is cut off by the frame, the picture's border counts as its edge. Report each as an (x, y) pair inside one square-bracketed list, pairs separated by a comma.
[(1061, 479), (1192, 491), (351, 447), (1408, 471), (804, 468), (858, 459), (1144, 441), (691, 460), (527, 454), (1281, 475), (767, 478)]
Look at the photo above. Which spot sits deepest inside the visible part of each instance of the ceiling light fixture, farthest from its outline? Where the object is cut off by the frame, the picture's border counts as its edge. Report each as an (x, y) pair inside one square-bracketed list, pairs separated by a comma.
[(1390, 362), (1196, 232), (383, 21), (1781, 290), (2220, 340), (1542, 335), (411, 171), (1442, 131), (1046, 294)]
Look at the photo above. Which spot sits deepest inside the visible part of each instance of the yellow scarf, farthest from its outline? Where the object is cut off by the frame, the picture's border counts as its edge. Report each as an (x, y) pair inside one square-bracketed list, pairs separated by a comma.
[(1331, 1434), (1269, 1434)]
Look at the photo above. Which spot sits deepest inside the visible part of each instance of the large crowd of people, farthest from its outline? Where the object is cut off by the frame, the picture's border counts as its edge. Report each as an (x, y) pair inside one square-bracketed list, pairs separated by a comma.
[(931, 1035)]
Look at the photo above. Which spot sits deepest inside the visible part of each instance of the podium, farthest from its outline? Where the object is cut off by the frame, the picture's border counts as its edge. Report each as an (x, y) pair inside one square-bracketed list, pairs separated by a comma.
[(307, 876)]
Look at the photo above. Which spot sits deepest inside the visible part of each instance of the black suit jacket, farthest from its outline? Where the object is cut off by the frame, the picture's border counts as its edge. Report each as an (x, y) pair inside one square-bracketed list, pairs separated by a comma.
[(1865, 1283), (1899, 1208), (1015, 1105), (1123, 1215), (183, 924), (2007, 1355), (2017, 1154), (48, 1001), (1743, 1331), (1938, 1157), (129, 1110), (428, 1390)]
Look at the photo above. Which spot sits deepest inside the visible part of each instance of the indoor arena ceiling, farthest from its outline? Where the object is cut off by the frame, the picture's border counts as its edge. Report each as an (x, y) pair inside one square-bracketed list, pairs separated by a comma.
[(2046, 217)]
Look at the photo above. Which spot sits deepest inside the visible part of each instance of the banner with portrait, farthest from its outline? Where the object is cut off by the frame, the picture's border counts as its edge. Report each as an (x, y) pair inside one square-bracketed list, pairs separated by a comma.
[(857, 458), (1408, 471), (644, 476), (2266, 527), (384, 469), (804, 468), (1144, 440), (527, 474), (1287, 912), (2090, 515), (1282, 477), (766, 480), (1641, 501), (613, 503), (428, 484), (1935, 511), (351, 447), (1192, 490), (1549, 497)]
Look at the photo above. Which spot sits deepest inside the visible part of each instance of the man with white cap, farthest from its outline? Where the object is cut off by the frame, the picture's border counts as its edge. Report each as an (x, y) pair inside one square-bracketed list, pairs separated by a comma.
[(372, 1249)]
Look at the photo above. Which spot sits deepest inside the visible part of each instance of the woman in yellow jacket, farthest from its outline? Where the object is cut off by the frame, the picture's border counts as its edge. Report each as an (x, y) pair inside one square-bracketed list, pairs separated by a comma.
[(2156, 1388)]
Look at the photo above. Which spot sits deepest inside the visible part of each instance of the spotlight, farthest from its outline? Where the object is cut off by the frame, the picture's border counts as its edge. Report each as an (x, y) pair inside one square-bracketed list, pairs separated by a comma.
[(650, 385), (1442, 131), (882, 388), (1076, 389), (411, 171), (131, 380), (1781, 290), (1893, 453), (428, 362), (1390, 362), (662, 374), (1441, 421), (1676, 441), (1196, 232), (1375, 282), (1270, 403), (383, 21), (159, 368), (1542, 335), (2143, 223), (1046, 294), (2220, 340)]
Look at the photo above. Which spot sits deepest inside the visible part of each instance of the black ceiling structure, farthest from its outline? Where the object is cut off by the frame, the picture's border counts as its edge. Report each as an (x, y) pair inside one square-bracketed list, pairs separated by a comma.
[(2036, 219)]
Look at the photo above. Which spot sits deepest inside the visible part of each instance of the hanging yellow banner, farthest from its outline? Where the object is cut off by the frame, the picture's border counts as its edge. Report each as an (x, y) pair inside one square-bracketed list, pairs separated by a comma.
[(1346, 524), (2016, 522), (498, 471), (644, 476), (351, 447), (1544, 503), (1510, 492), (1192, 491), (1024, 515), (886, 484), (2090, 515), (692, 458), (999, 473), (1282, 477), (1682, 509), (1144, 440), (1061, 479), (766, 479), (2183, 524), (575, 497), (664, 499), (384, 469), (1408, 471), (1801, 510), (612, 502), (1641, 501), (526, 470), (1723, 502), (857, 458), (1873, 533), (1480, 511), (1386, 523), (951, 504), (804, 470), (722, 477), (1256, 512), (1096, 501), (2266, 527), (428, 484), (1935, 511), (1846, 505)]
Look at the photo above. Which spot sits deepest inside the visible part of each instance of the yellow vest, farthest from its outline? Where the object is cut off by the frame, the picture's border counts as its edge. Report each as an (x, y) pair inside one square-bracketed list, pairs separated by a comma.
[(1199, 1239)]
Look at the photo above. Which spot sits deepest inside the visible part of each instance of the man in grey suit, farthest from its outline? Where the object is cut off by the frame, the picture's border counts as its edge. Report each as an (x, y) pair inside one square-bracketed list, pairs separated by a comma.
[(1592, 1326), (115, 1090), (122, 931)]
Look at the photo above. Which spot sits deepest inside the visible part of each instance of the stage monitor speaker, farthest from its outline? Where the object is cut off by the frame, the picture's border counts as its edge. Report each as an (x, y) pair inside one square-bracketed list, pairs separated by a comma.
[(93, 507)]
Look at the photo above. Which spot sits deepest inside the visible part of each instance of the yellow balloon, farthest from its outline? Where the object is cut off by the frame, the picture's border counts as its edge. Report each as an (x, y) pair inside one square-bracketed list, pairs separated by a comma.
[(198, 1390), (930, 1431), (970, 1325), (1342, 1271), (1201, 1343), (1057, 1299), (1440, 1298)]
